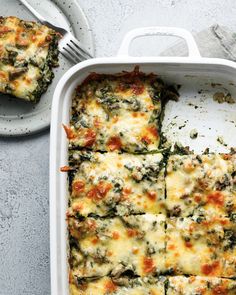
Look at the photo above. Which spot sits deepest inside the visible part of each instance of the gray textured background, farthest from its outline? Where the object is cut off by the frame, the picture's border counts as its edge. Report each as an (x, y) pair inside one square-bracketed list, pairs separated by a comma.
[(24, 225)]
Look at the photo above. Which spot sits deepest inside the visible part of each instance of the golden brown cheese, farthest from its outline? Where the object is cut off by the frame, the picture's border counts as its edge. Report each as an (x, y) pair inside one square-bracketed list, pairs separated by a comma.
[(114, 246), (119, 112), (118, 184), (181, 285), (201, 246), (118, 286), (201, 185), (28, 51)]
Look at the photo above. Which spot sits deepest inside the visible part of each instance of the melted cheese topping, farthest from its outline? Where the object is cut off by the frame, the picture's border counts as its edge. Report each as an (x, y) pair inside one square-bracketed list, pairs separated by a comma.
[(129, 114), (122, 183), (200, 285), (26, 57), (134, 243), (201, 185), (201, 246), (124, 286), (121, 113)]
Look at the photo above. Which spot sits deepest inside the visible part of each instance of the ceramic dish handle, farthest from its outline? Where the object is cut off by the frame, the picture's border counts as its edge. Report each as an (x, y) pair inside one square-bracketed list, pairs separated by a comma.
[(159, 31)]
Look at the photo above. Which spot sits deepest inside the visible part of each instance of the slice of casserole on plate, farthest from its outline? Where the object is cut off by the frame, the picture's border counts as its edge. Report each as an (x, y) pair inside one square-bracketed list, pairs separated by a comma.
[(105, 246), (116, 184), (28, 51), (117, 112), (119, 286)]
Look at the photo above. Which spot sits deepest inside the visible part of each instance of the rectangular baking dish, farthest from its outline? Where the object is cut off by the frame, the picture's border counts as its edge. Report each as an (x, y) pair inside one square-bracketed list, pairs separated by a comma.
[(199, 78)]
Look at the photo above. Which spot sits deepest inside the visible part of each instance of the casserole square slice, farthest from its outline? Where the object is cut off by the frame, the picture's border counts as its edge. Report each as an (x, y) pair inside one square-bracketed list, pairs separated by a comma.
[(105, 246), (201, 246), (201, 185), (119, 286), (116, 184), (28, 51), (181, 285), (120, 112)]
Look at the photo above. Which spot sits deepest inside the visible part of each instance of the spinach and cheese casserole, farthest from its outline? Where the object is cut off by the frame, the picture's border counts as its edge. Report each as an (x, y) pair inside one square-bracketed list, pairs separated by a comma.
[(144, 220), (116, 184), (28, 51), (120, 286), (201, 245), (113, 246), (194, 285), (201, 185), (118, 113)]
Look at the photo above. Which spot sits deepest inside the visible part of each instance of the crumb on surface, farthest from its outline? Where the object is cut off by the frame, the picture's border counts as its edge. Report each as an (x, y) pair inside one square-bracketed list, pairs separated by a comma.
[(221, 97), (193, 133), (220, 139)]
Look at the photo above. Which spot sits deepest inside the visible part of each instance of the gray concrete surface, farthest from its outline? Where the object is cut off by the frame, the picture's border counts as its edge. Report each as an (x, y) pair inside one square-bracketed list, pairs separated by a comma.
[(24, 199)]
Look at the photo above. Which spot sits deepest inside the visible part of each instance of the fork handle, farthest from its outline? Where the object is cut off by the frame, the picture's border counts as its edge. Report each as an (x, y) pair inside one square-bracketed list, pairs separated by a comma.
[(33, 11)]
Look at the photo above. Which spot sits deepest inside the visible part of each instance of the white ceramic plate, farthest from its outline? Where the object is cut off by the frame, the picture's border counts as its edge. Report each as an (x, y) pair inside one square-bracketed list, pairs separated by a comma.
[(18, 117)]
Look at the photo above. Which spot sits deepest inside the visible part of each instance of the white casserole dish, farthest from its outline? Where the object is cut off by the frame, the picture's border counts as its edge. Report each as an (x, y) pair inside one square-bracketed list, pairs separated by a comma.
[(200, 79)]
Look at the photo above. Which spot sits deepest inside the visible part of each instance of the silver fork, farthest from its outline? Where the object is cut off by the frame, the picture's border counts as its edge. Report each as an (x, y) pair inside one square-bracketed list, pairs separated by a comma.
[(69, 46)]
